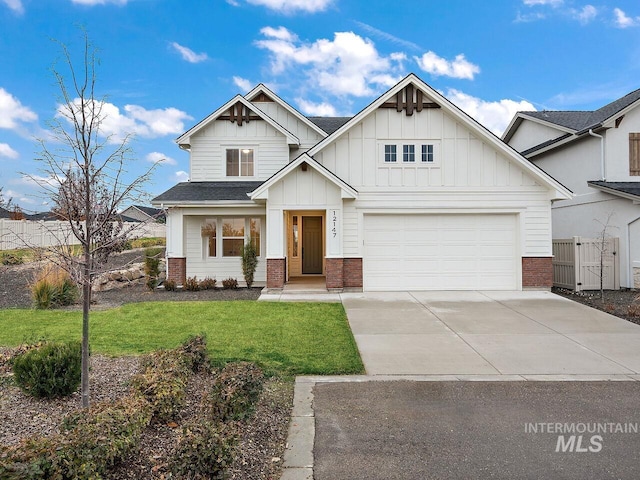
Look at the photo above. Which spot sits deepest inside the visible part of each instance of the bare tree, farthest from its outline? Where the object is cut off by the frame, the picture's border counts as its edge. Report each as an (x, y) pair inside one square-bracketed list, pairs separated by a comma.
[(85, 175), (4, 202), (603, 245)]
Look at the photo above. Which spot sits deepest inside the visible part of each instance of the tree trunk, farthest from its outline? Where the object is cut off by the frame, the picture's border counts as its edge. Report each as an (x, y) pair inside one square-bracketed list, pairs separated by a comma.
[(86, 305)]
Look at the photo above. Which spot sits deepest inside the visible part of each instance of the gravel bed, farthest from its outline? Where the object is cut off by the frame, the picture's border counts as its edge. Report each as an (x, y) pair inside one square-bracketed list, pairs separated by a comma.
[(621, 303)]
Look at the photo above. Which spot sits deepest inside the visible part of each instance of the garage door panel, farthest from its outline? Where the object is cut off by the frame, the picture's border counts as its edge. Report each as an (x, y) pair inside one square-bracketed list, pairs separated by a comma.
[(438, 252)]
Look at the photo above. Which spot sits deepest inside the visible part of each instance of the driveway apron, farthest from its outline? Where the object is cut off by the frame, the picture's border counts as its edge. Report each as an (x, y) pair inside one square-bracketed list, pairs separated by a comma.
[(489, 333)]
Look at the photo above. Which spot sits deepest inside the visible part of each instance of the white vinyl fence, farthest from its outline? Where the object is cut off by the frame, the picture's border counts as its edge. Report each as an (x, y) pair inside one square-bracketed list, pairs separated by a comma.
[(23, 233), (576, 263)]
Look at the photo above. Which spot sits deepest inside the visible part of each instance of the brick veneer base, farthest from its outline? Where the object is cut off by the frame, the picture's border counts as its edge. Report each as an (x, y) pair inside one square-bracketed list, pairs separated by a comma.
[(177, 270), (537, 272), (276, 272), (343, 273)]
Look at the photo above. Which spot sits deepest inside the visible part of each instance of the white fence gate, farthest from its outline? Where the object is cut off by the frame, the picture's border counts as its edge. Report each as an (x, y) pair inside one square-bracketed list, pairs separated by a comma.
[(23, 233), (576, 263)]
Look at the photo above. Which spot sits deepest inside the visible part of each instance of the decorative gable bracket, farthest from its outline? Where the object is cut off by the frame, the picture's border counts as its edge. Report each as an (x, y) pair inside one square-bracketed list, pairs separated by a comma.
[(409, 99), (239, 113)]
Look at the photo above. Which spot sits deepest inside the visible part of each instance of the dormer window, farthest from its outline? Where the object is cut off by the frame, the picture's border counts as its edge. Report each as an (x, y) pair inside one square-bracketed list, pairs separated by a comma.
[(240, 162)]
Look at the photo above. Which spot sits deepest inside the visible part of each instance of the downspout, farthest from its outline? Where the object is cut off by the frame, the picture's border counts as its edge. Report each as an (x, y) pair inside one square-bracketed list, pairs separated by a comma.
[(602, 168)]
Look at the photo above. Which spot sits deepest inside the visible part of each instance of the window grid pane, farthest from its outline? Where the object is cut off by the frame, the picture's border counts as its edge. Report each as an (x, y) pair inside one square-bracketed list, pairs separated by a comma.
[(232, 237), (427, 153), (209, 233), (389, 153), (408, 153), (254, 231), (240, 162)]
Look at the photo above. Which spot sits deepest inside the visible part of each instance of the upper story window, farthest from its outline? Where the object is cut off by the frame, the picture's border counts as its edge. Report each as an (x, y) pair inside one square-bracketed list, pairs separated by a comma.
[(240, 162), (390, 153), (408, 153), (634, 154), (427, 153)]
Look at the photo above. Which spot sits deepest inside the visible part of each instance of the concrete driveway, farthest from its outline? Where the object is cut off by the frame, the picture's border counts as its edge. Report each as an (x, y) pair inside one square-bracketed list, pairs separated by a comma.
[(526, 335)]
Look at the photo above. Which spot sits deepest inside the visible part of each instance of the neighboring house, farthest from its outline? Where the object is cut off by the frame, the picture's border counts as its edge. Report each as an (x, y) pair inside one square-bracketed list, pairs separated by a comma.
[(411, 193), (596, 155), (143, 214)]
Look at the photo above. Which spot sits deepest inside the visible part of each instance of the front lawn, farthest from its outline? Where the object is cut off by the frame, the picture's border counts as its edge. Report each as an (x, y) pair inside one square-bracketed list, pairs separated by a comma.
[(292, 338)]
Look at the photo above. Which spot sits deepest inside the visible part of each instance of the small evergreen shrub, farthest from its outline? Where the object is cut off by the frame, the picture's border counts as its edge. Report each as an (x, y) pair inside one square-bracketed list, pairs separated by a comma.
[(208, 283), (205, 451), (151, 268), (50, 371), (229, 283), (170, 285), (235, 391), (249, 262), (191, 284)]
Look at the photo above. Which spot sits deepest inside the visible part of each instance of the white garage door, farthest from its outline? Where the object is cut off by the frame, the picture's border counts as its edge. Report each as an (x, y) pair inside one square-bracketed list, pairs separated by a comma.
[(440, 252)]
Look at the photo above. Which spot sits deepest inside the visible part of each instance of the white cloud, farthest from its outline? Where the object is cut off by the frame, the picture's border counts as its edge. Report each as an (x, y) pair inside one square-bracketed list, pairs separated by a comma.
[(18, 197), (586, 14), (242, 83), (12, 112), (91, 3), (291, 6), (460, 67), (553, 3), (388, 36), (135, 120), (157, 157), (346, 65), (189, 55), (181, 176), (15, 5), (529, 17), (622, 20), (7, 151), (493, 115), (321, 109)]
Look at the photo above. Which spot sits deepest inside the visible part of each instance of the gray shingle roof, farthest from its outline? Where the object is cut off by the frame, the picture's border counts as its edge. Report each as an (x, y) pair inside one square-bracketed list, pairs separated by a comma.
[(207, 192), (583, 120), (630, 188), (151, 211), (329, 124)]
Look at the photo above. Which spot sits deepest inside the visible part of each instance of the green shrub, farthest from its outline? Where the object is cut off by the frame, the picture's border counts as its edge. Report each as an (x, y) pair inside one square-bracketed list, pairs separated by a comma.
[(205, 451), (249, 262), (50, 371), (229, 283), (208, 283), (235, 391), (191, 284), (151, 268), (170, 285)]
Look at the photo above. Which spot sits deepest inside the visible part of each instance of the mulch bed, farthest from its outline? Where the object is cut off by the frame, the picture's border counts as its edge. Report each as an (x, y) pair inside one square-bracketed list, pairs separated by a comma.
[(621, 303), (262, 439)]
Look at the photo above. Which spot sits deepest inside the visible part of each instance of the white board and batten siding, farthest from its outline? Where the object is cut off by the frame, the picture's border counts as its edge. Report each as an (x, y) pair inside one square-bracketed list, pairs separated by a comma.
[(208, 150), (306, 134), (468, 176)]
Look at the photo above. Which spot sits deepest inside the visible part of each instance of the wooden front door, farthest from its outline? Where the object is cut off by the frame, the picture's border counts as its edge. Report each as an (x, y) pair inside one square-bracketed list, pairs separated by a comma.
[(312, 245)]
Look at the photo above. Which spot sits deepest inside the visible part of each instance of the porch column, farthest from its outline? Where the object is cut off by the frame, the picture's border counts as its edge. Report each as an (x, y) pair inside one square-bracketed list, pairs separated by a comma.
[(276, 257), (176, 260)]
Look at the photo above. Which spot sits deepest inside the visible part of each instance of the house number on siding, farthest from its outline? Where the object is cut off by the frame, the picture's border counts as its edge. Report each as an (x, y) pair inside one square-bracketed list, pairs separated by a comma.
[(334, 221)]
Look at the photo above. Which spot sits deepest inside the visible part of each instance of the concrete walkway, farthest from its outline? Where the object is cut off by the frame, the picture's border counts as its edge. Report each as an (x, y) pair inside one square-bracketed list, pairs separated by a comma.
[(527, 334)]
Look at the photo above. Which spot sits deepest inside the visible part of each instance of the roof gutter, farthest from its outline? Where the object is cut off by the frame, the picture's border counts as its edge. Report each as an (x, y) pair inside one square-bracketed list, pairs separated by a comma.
[(602, 165)]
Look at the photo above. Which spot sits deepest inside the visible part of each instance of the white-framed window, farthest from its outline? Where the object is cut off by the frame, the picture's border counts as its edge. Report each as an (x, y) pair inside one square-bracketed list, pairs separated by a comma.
[(390, 153), (427, 153), (233, 232), (408, 153), (240, 162)]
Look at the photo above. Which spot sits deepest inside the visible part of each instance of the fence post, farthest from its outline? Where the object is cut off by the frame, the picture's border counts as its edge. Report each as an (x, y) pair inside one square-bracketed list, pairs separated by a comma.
[(577, 243)]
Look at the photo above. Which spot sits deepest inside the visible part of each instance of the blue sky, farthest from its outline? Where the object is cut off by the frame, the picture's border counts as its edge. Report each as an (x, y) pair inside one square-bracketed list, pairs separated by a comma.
[(166, 64)]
